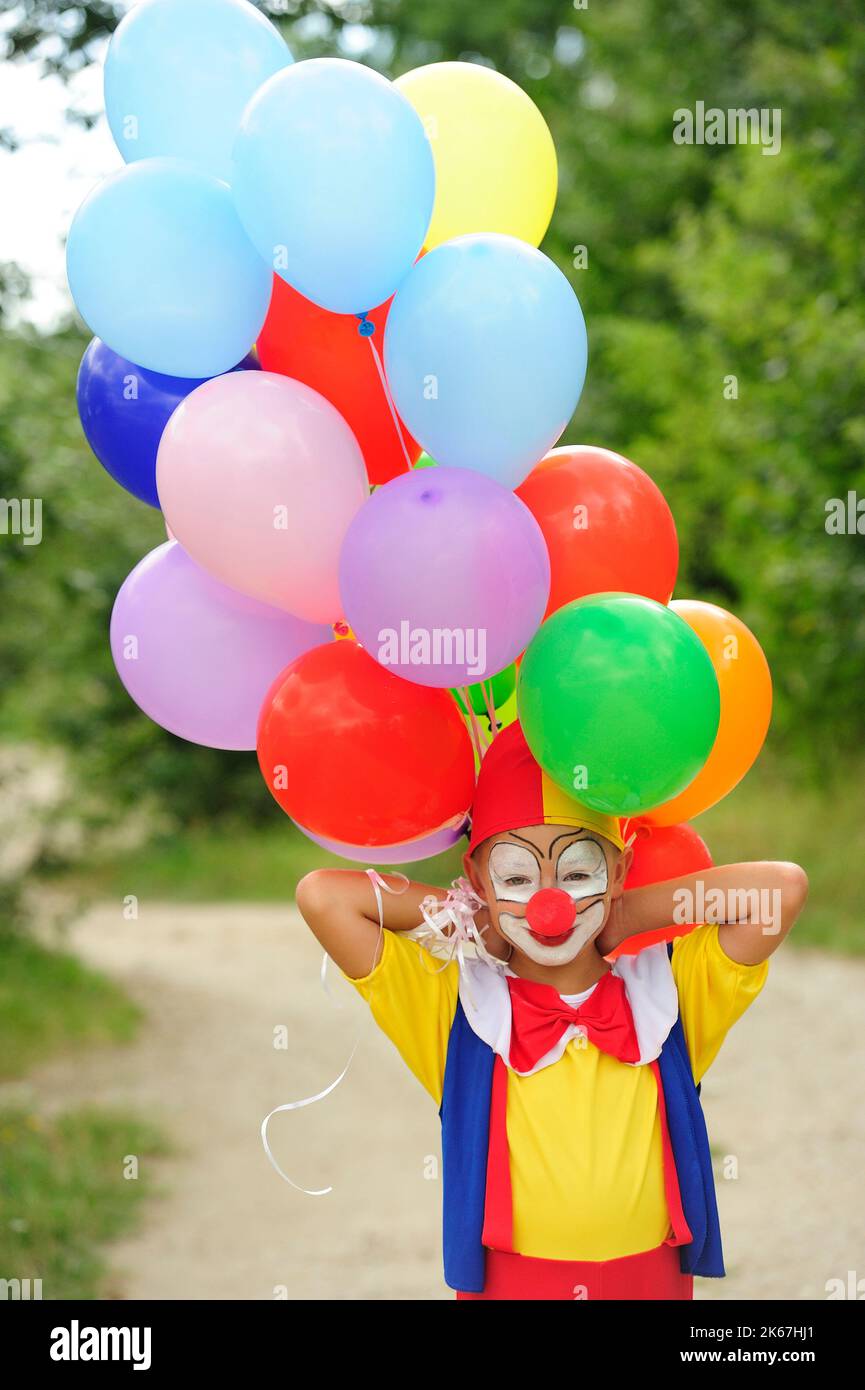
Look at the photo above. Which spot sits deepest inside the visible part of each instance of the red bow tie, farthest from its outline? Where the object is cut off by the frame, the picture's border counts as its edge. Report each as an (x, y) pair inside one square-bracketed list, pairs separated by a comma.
[(539, 1017)]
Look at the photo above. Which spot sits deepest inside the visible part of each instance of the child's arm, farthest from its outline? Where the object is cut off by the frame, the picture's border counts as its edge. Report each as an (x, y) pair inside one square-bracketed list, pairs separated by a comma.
[(340, 908), (754, 905)]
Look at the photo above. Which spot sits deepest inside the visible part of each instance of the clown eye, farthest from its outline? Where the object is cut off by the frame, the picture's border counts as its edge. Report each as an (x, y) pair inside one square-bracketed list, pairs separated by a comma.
[(514, 872), (576, 877)]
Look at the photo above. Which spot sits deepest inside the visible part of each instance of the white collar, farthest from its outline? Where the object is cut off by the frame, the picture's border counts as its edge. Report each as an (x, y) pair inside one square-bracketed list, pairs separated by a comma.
[(649, 986)]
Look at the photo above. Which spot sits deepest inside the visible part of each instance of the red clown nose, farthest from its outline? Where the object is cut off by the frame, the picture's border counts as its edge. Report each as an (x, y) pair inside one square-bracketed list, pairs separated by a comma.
[(550, 912)]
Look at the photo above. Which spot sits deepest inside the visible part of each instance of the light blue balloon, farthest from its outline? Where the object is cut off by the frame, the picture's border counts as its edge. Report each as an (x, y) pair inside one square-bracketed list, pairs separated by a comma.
[(334, 181), (162, 271), (485, 353), (179, 73)]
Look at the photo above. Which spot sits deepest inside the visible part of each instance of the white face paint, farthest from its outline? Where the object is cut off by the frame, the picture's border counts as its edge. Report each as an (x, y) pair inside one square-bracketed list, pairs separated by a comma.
[(581, 872), (515, 872)]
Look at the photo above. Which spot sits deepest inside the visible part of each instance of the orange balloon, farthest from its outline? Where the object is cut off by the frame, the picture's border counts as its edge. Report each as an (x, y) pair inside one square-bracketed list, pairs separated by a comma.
[(746, 708)]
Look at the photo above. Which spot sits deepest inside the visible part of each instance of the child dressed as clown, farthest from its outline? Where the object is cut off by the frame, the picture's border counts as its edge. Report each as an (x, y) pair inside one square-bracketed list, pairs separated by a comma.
[(575, 1156)]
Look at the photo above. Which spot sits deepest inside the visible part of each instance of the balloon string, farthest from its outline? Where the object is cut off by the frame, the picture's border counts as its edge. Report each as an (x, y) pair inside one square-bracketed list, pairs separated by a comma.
[(378, 883), (463, 692), (484, 739), (490, 703), (477, 738), (628, 835), (298, 1105), (389, 398)]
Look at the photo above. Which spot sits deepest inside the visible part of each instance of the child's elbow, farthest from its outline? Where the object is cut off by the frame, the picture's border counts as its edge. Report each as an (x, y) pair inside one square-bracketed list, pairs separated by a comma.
[(794, 889), (309, 894)]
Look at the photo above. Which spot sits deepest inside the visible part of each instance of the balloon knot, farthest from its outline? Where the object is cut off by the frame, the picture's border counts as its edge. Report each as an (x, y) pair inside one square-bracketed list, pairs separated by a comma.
[(365, 326)]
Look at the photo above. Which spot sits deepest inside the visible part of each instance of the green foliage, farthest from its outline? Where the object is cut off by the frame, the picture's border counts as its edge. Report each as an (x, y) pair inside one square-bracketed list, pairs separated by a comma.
[(704, 263), (58, 685), (49, 1001), (226, 862), (63, 1193), (776, 815), (773, 814)]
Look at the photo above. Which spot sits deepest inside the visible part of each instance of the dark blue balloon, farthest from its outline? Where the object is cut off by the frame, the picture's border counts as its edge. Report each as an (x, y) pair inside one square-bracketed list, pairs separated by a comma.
[(124, 410)]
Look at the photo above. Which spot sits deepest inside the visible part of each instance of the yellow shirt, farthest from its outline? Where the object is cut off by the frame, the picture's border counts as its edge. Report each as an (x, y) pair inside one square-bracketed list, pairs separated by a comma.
[(584, 1134)]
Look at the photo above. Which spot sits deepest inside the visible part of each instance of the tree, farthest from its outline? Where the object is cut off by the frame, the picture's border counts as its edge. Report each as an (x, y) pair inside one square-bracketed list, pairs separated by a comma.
[(723, 290)]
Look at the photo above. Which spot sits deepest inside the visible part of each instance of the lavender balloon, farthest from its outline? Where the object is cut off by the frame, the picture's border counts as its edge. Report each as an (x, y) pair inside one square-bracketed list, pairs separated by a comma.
[(444, 576), (408, 852), (196, 656)]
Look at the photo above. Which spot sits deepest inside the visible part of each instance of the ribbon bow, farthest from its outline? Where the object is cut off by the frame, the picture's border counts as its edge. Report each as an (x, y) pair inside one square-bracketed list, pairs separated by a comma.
[(539, 1017)]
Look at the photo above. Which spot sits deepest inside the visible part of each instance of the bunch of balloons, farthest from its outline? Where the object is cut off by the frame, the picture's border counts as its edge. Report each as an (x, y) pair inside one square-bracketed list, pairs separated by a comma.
[(302, 276)]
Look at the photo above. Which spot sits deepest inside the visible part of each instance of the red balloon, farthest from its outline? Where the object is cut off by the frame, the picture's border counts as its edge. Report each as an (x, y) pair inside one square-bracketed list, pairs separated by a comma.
[(606, 525), (326, 352), (660, 853), (355, 753)]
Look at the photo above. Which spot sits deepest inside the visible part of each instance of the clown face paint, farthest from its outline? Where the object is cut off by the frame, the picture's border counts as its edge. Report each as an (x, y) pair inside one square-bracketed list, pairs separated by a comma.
[(580, 870)]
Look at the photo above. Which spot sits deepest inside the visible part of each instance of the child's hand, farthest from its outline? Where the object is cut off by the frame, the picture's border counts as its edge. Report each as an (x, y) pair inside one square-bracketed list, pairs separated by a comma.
[(733, 897), (616, 928)]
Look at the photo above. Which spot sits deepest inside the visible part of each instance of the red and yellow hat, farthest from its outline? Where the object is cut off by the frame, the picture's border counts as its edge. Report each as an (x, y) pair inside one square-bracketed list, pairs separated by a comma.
[(513, 790)]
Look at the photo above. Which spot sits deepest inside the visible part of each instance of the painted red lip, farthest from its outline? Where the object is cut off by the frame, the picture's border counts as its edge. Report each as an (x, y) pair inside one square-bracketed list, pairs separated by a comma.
[(546, 940)]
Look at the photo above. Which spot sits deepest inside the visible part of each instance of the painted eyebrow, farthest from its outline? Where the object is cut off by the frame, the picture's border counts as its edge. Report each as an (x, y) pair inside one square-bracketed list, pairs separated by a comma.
[(534, 849), (574, 836)]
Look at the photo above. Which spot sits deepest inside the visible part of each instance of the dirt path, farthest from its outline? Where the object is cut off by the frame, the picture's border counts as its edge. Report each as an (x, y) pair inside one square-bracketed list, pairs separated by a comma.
[(783, 1100)]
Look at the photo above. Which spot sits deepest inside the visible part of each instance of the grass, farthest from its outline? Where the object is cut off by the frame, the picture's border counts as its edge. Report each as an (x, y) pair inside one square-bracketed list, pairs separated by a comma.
[(64, 1192), (229, 863), (773, 814), (49, 1001)]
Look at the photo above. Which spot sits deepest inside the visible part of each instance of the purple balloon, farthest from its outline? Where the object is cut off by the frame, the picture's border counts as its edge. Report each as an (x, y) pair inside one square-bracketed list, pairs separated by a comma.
[(196, 656), (409, 852), (444, 576)]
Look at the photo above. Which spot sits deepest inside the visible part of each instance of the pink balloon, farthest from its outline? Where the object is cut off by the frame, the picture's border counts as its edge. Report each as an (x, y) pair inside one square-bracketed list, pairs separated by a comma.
[(196, 656), (259, 478)]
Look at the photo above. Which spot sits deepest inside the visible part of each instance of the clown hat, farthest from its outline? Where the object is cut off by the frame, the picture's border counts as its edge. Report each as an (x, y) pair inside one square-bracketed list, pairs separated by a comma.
[(513, 790)]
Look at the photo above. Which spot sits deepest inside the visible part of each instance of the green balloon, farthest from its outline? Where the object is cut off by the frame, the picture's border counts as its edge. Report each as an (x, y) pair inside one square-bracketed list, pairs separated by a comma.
[(502, 688), (619, 702), (425, 462)]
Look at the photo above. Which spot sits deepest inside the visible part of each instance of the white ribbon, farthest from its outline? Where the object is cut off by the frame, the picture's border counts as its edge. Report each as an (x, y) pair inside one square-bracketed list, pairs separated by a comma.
[(298, 1105), (379, 366), (323, 981), (378, 884), (453, 927)]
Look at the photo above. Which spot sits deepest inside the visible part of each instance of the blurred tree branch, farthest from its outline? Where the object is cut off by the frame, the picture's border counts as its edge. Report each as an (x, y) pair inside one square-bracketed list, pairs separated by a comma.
[(703, 263)]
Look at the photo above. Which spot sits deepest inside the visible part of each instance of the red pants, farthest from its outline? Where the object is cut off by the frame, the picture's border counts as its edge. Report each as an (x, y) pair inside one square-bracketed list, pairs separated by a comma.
[(652, 1275)]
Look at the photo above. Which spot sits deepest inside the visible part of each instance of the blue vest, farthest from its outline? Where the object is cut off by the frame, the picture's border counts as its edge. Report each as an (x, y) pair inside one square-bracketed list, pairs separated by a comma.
[(465, 1116)]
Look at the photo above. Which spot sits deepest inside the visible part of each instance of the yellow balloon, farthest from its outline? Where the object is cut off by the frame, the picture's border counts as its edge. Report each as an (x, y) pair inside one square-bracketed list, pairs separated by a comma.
[(495, 160)]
